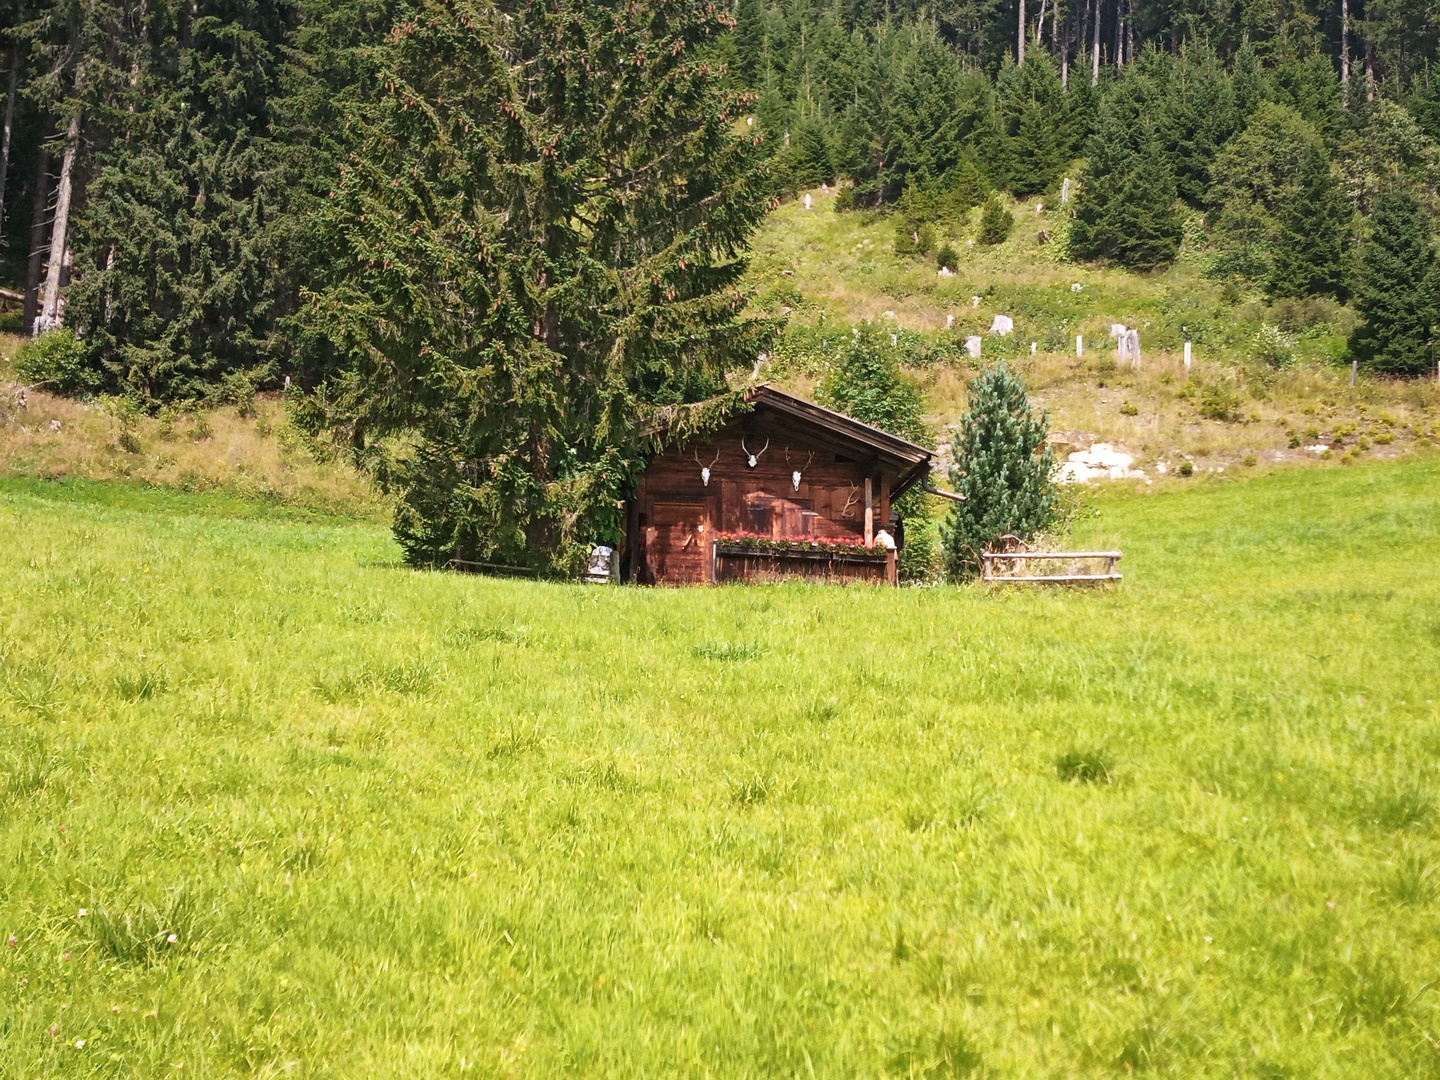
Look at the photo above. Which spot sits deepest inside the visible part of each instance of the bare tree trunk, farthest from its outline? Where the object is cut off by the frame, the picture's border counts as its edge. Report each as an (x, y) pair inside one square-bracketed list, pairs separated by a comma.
[(9, 125), (37, 237), (1129, 31), (1369, 59), (1095, 48), (1055, 26), (1345, 49), (1020, 38), (1119, 35), (60, 229), (1065, 53), (1040, 22)]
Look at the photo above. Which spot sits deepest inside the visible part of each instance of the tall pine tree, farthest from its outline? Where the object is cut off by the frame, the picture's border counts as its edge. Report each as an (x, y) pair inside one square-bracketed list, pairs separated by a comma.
[(1396, 289), (536, 244), (1125, 211)]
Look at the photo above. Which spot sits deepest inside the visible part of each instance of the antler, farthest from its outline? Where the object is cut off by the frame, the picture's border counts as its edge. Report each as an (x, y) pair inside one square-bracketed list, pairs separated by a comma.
[(851, 501), (763, 448), (701, 463)]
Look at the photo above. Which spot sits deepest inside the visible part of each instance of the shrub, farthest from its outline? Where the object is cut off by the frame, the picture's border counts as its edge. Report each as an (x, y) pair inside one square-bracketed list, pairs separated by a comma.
[(995, 222), (1219, 402), (1273, 347), (1187, 468), (1008, 487), (946, 258), (58, 361)]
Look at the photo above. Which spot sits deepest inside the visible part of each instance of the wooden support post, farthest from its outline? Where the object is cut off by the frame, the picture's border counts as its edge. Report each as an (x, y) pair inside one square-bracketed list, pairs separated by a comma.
[(869, 511), (892, 561)]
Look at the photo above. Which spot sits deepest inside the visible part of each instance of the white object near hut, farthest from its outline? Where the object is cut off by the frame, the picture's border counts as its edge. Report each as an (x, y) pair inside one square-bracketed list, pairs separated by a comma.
[(599, 569), (972, 345)]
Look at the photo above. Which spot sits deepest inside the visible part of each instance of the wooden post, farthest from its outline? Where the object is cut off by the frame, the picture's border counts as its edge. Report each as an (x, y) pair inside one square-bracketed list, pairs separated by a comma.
[(1080, 346), (892, 563), (1187, 359), (1354, 370), (869, 511)]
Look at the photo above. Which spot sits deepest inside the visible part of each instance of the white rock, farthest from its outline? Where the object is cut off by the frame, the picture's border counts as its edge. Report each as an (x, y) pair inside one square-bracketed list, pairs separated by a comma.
[(1002, 325), (809, 202), (1318, 448), (945, 271), (972, 345), (1118, 329), (1101, 462), (1076, 287)]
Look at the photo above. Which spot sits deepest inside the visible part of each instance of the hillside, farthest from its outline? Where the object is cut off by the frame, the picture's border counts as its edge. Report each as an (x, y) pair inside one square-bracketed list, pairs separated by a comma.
[(273, 804), (1263, 385)]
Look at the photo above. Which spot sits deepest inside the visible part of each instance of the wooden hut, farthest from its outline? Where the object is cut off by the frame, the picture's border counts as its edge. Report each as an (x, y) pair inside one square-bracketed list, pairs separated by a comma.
[(787, 490)]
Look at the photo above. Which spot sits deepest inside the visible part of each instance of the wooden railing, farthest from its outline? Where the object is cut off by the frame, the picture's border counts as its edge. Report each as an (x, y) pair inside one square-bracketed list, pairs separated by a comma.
[(1013, 566)]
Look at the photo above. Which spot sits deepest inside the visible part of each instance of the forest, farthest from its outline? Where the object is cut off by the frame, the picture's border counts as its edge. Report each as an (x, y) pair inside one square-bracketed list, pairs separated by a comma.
[(510, 234)]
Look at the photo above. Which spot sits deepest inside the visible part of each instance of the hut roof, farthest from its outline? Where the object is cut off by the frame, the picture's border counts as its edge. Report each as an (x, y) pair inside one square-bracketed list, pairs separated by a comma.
[(845, 434)]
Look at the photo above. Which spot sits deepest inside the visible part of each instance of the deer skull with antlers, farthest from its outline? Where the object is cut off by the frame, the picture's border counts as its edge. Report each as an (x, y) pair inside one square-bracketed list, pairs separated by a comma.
[(795, 473), (705, 469), (753, 459)]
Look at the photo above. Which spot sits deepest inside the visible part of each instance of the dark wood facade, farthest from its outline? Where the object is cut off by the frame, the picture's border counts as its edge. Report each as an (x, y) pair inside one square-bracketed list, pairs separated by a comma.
[(702, 514)]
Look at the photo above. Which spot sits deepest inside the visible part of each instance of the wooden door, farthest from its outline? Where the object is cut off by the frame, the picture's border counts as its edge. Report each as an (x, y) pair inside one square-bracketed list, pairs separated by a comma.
[(677, 544)]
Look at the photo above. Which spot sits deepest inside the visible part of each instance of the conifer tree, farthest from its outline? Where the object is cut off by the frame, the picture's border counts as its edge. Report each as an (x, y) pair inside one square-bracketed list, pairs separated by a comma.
[(1281, 218), (537, 243), (1312, 233), (1001, 469), (1125, 211), (1396, 288), (995, 222), (1032, 104)]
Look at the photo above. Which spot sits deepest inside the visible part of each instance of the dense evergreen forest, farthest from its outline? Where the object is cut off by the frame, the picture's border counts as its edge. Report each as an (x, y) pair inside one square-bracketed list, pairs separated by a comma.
[(513, 231)]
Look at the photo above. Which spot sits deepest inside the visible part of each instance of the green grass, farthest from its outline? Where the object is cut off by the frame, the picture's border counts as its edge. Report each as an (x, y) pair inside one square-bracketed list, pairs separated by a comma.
[(417, 825)]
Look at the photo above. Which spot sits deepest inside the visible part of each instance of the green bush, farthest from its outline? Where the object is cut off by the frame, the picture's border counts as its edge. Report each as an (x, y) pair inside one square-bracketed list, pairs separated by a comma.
[(947, 258), (58, 362), (995, 222)]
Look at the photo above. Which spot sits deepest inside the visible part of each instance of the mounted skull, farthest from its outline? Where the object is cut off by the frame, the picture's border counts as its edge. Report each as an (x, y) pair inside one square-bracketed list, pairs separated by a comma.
[(795, 473), (753, 459), (705, 469)]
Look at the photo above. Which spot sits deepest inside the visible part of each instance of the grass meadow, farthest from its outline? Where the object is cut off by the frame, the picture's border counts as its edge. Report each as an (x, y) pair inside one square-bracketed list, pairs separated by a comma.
[(272, 804)]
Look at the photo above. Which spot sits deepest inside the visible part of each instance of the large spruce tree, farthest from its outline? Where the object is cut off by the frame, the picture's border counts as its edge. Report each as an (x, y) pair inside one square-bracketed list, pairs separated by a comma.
[(1396, 292), (537, 242), (1126, 211)]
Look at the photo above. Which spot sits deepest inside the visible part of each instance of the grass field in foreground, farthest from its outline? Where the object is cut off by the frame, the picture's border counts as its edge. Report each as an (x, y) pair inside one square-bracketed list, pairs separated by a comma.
[(273, 804)]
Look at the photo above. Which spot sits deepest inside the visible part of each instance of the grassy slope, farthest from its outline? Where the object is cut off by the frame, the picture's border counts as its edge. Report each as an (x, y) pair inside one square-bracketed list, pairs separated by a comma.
[(255, 456), (412, 824), (842, 268)]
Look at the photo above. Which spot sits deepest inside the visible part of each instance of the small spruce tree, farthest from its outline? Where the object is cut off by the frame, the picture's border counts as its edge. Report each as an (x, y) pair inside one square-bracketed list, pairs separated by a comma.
[(1396, 294), (1008, 487), (995, 222)]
